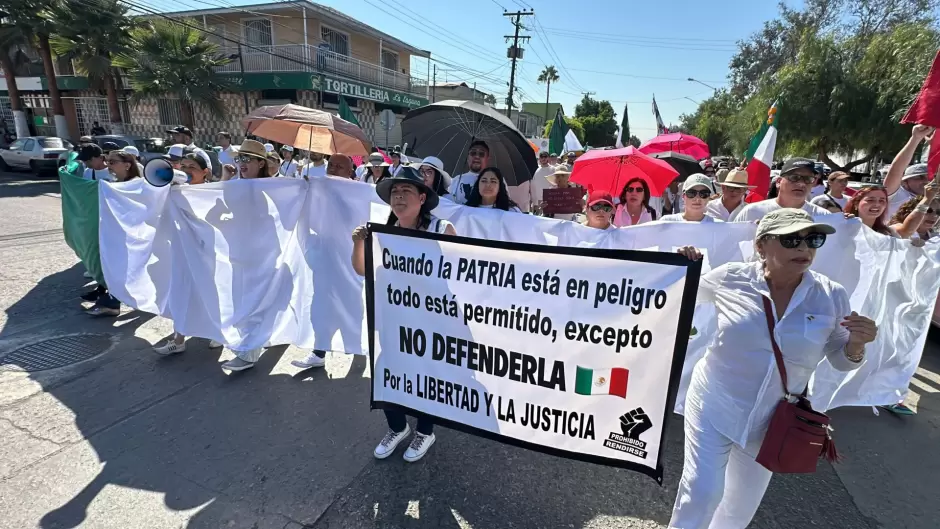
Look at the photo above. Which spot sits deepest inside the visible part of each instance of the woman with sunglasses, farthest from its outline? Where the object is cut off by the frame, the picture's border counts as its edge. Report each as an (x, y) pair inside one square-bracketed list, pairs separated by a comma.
[(435, 177), (123, 166), (252, 160), (794, 185), (490, 191), (634, 207), (600, 211), (870, 205), (735, 388), (697, 190)]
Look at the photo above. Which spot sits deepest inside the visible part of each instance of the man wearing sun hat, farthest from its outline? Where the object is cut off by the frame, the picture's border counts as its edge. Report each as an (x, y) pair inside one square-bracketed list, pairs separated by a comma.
[(733, 190)]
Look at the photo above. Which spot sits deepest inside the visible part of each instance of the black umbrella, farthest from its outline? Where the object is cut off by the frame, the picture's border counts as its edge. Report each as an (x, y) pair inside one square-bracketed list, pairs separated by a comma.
[(447, 128), (683, 163)]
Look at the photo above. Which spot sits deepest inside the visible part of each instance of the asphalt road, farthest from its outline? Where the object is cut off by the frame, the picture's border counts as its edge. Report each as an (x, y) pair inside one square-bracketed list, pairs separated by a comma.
[(126, 439)]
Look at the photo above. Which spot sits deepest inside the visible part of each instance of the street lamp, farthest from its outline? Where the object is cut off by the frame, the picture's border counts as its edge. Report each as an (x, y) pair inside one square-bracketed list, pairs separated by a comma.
[(690, 99), (691, 80)]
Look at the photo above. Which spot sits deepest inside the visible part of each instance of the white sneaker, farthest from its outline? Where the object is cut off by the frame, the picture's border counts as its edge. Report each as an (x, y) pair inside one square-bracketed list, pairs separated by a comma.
[(310, 362), (171, 348), (390, 442), (214, 344), (419, 446), (237, 364)]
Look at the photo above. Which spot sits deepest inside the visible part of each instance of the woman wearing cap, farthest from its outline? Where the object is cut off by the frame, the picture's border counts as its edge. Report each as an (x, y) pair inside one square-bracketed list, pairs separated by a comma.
[(837, 182), (252, 160), (123, 166), (634, 207), (376, 169), (600, 211), (733, 191), (288, 166), (435, 177), (490, 191), (411, 201), (697, 190), (198, 172), (736, 386), (870, 205)]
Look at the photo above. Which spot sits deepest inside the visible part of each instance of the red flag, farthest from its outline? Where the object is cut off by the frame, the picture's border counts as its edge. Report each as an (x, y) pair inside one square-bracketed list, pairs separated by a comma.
[(926, 107)]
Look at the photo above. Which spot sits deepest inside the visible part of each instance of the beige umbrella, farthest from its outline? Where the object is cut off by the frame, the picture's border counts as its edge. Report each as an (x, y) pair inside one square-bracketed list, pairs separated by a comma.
[(308, 128)]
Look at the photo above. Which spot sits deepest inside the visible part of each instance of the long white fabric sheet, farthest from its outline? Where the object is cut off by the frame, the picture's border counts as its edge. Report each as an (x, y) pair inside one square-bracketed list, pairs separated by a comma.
[(262, 262)]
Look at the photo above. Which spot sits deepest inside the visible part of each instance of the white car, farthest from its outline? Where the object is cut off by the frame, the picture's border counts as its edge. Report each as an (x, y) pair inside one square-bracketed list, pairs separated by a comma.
[(39, 154)]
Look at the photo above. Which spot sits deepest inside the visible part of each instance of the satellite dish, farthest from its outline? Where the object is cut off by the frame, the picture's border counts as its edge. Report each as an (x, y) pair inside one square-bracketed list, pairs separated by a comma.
[(158, 173)]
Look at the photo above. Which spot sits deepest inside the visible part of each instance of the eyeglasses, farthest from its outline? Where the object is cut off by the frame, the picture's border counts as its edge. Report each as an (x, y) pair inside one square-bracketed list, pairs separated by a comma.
[(606, 208), (478, 153), (427, 171), (634, 189), (793, 240), (246, 159), (799, 178), (701, 193), (543, 156)]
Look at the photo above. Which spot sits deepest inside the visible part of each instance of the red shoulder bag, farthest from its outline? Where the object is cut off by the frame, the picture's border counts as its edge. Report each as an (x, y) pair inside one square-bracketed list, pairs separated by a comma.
[(798, 435)]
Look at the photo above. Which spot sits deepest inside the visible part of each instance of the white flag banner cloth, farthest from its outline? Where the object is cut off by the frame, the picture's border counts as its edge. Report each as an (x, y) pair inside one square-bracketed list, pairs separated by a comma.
[(569, 351), (264, 262)]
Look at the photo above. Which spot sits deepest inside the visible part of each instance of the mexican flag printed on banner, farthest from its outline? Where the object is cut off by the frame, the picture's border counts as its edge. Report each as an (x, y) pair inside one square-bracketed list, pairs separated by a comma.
[(760, 157), (601, 381)]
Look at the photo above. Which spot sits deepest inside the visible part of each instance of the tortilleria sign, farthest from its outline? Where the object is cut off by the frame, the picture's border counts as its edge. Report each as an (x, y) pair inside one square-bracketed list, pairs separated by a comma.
[(371, 93)]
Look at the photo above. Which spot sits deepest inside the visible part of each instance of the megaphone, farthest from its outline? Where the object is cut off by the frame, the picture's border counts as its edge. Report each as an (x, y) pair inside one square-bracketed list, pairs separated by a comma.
[(158, 173)]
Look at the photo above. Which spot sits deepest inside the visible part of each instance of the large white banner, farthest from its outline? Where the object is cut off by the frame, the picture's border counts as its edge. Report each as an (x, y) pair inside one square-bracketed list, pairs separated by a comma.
[(265, 262), (564, 350)]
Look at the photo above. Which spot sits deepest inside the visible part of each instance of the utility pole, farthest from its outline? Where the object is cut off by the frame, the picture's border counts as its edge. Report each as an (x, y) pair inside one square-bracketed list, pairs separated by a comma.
[(515, 52), (434, 84)]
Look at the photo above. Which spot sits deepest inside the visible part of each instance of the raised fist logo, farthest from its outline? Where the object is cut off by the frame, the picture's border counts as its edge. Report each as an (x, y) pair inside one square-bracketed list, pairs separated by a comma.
[(635, 422)]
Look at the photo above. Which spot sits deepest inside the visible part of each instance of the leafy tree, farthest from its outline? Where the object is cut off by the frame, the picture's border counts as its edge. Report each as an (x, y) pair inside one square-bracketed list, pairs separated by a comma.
[(11, 41), (597, 117), (91, 32), (573, 124), (31, 22), (171, 59), (634, 141), (548, 76), (489, 99)]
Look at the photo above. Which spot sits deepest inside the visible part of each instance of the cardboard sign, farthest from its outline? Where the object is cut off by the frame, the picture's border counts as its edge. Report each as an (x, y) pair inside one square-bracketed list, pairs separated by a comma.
[(567, 200)]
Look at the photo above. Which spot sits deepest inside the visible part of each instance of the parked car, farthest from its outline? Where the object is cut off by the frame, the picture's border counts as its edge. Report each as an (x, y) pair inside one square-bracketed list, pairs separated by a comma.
[(39, 154), (149, 148)]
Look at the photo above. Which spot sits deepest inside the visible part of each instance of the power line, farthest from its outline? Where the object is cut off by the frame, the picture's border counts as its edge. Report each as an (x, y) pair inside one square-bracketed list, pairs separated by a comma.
[(552, 52)]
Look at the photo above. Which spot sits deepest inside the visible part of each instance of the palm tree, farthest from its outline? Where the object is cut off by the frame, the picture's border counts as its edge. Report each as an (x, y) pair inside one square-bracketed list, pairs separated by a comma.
[(169, 59), (548, 76), (31, 21), (10, 42), (91, 32)]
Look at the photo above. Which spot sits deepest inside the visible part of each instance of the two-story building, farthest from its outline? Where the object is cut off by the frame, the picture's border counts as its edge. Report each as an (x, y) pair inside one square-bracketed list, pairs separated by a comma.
[(284, 52)]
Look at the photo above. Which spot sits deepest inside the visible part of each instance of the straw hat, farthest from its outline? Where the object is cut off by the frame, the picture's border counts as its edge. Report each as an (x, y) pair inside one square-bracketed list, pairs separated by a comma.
[(560, 170), (376, 160), (253, 148), (736, 178), (408, 175)]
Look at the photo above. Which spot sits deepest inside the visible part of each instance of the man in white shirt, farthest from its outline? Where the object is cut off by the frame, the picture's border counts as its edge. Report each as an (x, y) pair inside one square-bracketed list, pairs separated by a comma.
[(733, 191), (478, 158), (902, 182), (183, 135), (289, 167), (229, 152), (96, 168), (316, 167), (540, 179), (837, 183), (797, 176)]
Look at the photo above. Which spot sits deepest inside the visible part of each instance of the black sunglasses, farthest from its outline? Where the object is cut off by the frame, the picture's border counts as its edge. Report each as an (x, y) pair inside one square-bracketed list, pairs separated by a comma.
[(606, 208), (796, 178), (634, 189), (246, 159), (543, 156), (701, 193), (793, 240)]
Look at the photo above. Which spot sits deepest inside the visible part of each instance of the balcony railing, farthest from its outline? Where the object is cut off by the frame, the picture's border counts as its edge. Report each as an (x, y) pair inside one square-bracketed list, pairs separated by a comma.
[(303, 58)]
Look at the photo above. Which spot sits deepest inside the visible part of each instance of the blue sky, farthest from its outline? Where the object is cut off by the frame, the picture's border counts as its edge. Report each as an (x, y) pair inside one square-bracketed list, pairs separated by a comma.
[(637, 49)]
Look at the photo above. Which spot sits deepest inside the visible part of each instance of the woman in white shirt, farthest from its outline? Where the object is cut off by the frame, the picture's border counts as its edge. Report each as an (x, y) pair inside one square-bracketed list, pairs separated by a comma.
[(411, 201), (490, 191), (634, 207), (696, 192), (600, 211), (288, 167), (736, 386)]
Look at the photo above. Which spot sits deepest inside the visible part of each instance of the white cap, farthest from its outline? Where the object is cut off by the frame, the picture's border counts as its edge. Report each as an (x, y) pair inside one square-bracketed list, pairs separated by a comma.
[(130, 149), (287, 148), (175, 152), (268, 147)]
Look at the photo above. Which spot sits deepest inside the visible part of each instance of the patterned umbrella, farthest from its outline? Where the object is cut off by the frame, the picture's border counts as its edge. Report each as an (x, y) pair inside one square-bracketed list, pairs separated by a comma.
[(307, 128)]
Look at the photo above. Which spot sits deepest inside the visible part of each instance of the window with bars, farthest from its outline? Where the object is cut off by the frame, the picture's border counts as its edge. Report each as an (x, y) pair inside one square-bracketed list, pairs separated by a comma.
[(339, 42), (258, 32), (170, 111), (390, 60)]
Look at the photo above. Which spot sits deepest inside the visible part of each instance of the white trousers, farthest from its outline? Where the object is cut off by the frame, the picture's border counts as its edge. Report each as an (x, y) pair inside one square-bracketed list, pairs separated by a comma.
[(251, 355), (721, 485)]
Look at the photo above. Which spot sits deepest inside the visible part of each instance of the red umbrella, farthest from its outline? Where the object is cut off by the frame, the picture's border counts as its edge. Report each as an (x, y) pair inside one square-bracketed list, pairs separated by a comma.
[(610, 170), (677, 142)]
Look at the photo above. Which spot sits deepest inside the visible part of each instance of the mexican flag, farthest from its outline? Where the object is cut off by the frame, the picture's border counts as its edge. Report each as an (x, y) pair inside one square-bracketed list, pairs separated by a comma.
[(601, 381), (624, 133), (760, 156), (556, 135), (346, 113)]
